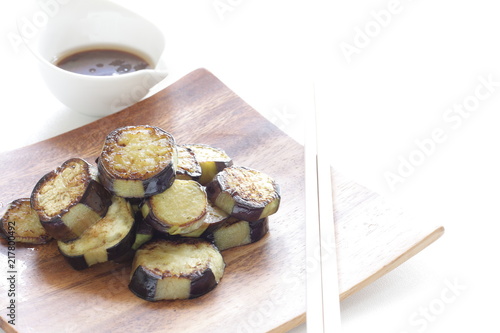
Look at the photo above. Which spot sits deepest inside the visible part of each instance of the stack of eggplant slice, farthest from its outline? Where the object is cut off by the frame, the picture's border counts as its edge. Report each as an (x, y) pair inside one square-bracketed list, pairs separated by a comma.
[(168, 208)]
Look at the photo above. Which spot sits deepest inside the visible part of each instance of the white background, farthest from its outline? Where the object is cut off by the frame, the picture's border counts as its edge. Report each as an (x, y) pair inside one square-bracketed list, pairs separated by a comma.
[(409, 68)]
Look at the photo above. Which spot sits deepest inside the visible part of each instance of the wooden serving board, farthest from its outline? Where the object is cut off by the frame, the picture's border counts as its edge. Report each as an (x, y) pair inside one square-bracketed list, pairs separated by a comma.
[(263, 288)]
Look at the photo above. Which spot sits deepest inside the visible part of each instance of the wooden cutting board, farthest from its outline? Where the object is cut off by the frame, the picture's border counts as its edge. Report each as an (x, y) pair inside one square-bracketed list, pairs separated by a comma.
[(263, 288)]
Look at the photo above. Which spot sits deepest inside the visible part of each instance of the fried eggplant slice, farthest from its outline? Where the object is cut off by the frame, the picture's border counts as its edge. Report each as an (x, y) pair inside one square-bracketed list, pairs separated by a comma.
[(69, 199), (137, 161), (211, 159), (178, 210), (108, 239), (176, 269), (188, 167), (238, 232), (244, 193), (21, 223), (213, 220)]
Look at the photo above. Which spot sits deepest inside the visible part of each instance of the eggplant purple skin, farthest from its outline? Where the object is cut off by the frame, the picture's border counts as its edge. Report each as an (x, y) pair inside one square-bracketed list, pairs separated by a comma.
[(143, 283), (135, 201), (258, 229), (160, 182), (213, 190), (58, 230), (95, 196), (143, 228), (116, 253), (202, 284), (77, 262), (246, 212), (122, 246)]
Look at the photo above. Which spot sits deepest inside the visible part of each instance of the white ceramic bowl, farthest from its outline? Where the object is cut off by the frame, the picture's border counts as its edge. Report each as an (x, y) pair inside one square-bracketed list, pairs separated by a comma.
[(98, 23)]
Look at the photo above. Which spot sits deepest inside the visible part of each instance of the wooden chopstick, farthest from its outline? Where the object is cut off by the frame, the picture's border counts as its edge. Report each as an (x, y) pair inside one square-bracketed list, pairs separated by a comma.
[(323, 308), (314, 289)]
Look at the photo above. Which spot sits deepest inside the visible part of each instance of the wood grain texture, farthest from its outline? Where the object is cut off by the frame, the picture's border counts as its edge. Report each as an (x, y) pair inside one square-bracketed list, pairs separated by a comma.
[(263, 288)]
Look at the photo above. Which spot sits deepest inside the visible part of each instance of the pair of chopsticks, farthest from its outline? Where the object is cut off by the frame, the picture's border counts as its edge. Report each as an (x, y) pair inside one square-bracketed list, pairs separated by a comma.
[(323, 308)]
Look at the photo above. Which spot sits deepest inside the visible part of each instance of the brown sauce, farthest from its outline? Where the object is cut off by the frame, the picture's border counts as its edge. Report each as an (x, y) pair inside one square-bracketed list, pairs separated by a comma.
[(102, 62)]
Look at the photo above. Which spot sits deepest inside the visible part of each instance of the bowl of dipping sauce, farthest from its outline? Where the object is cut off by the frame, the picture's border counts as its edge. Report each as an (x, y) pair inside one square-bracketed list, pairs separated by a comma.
[(98, 58)]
